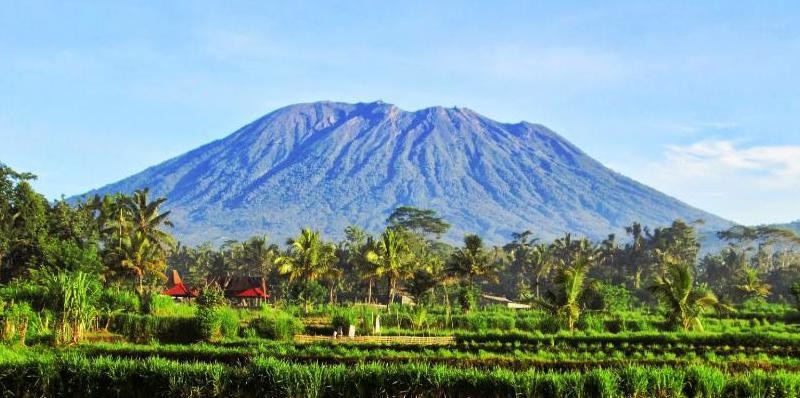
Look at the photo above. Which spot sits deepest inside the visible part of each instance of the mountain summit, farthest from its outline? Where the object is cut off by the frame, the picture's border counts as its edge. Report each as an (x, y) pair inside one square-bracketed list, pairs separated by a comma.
[(328, 165)]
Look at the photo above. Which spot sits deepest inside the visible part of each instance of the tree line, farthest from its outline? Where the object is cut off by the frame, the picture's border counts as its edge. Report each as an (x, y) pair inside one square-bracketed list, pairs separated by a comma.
[(124, 240)]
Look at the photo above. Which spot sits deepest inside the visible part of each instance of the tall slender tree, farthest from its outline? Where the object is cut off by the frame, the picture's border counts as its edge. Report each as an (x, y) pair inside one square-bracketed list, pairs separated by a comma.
[(391, 258), (147, 219)]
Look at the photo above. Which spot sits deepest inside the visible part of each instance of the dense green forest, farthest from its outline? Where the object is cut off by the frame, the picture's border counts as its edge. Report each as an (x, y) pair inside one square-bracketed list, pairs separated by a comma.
[(643, 314)]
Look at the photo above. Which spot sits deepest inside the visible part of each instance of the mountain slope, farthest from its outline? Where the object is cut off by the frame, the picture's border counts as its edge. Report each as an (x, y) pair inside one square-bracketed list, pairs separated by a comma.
[(328, 165)]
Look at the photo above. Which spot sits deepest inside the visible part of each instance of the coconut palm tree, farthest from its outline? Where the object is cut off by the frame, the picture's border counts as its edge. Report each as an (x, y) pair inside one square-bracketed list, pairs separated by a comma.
[(391, 258), (685, 301), (473, 261), (751, 285), (308, 259), (259, 255), (541, 263), (563, 301), (637, 253), (367, 264), (141, 258), (147, 220)]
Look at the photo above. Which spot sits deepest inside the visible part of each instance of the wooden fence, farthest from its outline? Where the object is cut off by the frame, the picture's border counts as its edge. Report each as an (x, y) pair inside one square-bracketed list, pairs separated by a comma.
[(388, 340)]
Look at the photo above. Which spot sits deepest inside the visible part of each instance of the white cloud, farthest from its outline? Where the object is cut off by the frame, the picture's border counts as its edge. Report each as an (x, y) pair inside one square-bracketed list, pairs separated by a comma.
[(767, 166), (749, 184)]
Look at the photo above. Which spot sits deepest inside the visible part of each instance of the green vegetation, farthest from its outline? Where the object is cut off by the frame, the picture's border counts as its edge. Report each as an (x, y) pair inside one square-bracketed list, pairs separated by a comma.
[(82, 313)]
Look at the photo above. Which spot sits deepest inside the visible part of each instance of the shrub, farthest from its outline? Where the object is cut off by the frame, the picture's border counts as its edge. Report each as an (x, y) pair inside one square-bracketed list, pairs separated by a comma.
[(276, 324), (468, 297), (795, 290), (549, 324), (209, 323), (342, 318), (211, 296), (608, 297), (15, 319), (210, 314), (165, 329)]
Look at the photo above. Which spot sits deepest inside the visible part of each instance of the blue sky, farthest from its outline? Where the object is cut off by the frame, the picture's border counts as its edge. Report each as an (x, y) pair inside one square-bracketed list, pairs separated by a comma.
[(698, 100)]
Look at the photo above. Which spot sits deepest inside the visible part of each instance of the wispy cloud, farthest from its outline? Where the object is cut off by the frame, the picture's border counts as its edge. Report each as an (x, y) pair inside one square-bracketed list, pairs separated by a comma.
[(768, 166), (750, 184)]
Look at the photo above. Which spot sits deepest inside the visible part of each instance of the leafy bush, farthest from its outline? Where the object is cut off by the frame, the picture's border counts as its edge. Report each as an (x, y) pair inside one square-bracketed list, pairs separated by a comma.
[(609, 298), (549, 324), (15, 319), (276, 324), (342, 318), (210, 313), (68, 256), (468, 297), (795, 290), (211, 296)]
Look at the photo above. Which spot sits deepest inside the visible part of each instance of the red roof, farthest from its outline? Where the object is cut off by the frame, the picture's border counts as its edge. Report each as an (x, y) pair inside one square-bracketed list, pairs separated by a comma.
[(243, 286), (177, 288), (252, 292), (180, 290)]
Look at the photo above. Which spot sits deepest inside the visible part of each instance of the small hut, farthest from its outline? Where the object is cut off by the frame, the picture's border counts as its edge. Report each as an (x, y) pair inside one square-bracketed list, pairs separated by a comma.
[(248, 290), (176, 288), (487, 299)]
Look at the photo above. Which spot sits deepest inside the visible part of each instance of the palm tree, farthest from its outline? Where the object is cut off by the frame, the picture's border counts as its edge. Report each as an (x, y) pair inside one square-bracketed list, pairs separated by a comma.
[(637, 260), (259, 255), (563, 302), (751, 284), (147, 220), (473, 261), (391, 258), (542, 263), (309, 258), (141, 258), (685, 301), (367, 265)]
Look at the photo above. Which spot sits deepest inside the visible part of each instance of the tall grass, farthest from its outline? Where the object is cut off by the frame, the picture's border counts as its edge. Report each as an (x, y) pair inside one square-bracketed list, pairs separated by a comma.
[(72, 297), (26, 373)]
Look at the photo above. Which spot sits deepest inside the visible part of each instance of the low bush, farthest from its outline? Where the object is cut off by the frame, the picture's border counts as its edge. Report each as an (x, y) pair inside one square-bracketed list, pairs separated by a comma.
[(146, 328), (276, 324)]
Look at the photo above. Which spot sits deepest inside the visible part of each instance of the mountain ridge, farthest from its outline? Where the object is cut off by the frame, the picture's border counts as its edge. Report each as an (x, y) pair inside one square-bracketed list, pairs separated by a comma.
[(329, 164)]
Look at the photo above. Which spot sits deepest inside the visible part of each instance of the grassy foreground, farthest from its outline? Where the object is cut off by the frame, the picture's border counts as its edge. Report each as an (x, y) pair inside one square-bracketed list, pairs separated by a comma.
[(31, 373)]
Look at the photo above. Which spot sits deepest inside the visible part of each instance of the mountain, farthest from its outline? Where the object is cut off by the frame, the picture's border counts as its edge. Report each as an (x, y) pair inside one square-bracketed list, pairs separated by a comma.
[(328, 165), (792, 226)]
